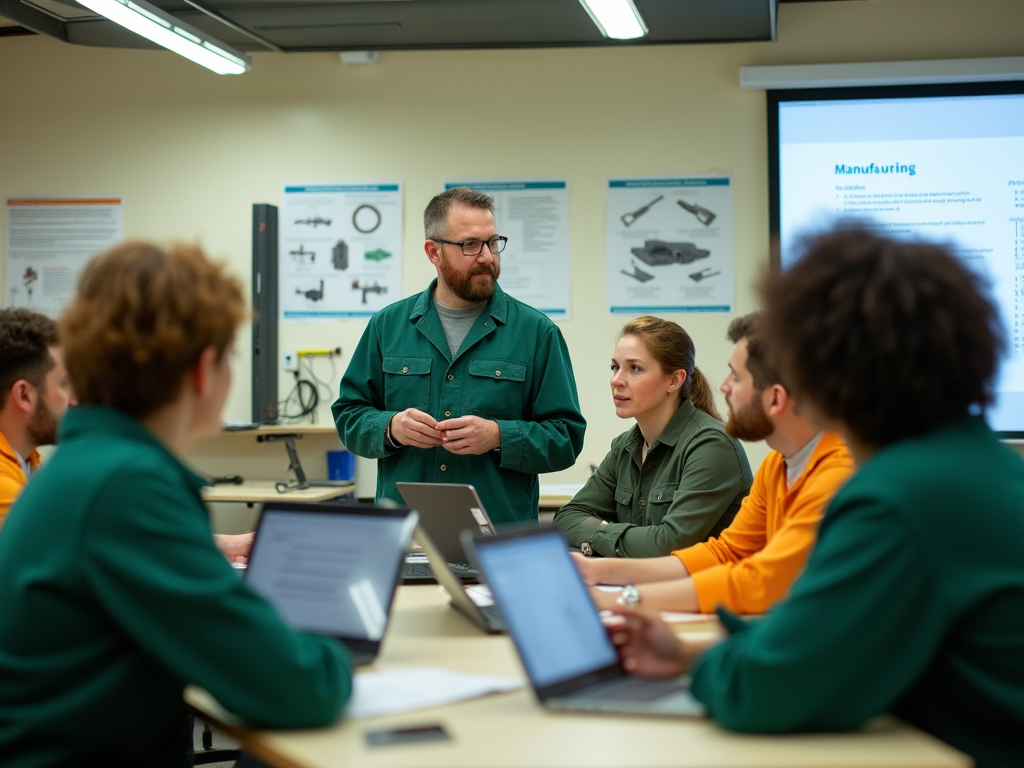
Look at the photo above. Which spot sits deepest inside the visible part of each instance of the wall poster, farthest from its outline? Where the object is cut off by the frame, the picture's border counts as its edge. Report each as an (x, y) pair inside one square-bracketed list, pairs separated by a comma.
[(534, 215), (670, 245), (340, 249), (49, 240)]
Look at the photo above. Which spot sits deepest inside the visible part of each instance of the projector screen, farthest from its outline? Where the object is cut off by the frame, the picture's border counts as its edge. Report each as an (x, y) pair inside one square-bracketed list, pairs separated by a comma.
[(942, 163)]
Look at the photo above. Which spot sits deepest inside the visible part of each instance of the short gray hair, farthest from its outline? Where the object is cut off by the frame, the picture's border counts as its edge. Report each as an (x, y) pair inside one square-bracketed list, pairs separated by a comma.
[(435, 217)]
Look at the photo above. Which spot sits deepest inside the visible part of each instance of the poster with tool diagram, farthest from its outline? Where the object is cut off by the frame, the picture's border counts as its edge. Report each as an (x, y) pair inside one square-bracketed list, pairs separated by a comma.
[(340, 249), (670, 245)]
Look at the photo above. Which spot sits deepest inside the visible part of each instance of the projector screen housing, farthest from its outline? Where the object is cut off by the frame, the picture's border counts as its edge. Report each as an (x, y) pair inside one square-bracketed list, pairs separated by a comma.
[(943, 163)]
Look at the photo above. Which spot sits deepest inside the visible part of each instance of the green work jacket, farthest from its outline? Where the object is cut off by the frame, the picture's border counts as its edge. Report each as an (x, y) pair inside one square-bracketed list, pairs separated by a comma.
[(114, 597), (689, 489), (513, 367), (912, 602)]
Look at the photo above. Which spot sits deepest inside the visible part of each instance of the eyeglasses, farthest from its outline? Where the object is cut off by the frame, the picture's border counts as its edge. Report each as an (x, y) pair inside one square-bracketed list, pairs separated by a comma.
[(475, 247)]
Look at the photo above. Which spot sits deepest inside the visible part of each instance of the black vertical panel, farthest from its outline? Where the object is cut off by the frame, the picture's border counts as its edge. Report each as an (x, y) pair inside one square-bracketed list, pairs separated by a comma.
[(264, 320)]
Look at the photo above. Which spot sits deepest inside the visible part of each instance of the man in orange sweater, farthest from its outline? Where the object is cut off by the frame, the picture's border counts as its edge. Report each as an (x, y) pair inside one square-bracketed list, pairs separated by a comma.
[(751, 565), (34, 394)]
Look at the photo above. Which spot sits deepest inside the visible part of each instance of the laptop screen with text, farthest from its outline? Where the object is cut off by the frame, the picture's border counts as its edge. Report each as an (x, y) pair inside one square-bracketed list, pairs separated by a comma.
[(327, 572), (546, 607)]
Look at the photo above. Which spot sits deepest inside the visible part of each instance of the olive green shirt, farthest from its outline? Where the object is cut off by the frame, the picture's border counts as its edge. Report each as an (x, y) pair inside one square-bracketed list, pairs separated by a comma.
[(689, 488), (513, 367), (114, 597)]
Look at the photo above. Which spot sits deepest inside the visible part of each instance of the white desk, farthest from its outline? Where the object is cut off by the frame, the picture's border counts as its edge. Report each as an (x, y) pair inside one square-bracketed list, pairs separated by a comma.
[(259, 491), (512, 731)]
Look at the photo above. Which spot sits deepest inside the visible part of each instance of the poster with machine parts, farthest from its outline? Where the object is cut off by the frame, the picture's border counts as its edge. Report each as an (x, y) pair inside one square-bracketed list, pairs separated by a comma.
[(670, 245), (49, 240), (340, 249), (534, 215)]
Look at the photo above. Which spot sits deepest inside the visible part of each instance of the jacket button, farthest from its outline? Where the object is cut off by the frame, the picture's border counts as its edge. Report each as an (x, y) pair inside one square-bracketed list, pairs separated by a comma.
[(659, 497), (447, 413), (497, 373), (405, 369), (643, 503), (487, 325), (444, 467), (450, 377)]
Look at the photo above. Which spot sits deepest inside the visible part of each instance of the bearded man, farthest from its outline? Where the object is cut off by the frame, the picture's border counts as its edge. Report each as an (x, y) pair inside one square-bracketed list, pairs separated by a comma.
[(463, 383), (35, 394), (753, 563)]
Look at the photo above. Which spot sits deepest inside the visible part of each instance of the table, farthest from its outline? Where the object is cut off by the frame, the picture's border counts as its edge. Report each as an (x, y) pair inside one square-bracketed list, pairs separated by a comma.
[(512, 731), (258, 491)]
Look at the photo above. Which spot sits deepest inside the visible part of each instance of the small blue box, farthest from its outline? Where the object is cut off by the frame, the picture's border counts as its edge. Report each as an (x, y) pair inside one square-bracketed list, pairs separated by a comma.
[(341, 465)]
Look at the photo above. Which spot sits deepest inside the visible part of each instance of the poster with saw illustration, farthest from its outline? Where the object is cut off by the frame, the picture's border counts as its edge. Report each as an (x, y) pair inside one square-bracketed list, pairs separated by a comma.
[(670, 245), (340, 249)]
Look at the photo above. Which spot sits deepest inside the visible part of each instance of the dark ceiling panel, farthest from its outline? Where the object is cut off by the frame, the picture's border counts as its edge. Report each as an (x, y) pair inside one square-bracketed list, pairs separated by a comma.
[(309, 25)]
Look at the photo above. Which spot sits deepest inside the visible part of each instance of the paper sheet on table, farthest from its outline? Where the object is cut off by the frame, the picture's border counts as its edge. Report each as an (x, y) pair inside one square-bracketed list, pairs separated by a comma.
[(402, 690), (560, 489)]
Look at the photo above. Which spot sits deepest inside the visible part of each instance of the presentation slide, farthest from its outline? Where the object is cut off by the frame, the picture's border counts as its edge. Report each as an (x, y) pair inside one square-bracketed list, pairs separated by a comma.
[(945, 169)]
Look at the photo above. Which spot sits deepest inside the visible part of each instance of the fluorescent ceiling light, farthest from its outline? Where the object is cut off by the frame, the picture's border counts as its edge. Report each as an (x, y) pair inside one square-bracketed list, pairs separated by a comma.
[(616, 18), (164, 29)]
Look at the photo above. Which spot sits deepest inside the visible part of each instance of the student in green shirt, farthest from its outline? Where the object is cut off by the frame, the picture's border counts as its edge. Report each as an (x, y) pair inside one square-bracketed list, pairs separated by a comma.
[(676, 478), (114, 593), (913, 598)]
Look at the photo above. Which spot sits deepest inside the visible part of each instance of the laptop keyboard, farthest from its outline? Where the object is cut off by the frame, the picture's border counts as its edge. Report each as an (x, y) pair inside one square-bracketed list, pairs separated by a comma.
[(631, 689), (421, 571)]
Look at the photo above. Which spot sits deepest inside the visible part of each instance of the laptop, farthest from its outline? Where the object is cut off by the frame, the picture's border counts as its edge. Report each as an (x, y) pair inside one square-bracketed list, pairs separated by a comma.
[(487, 617), (331, 569), (571, 662), (446, 510)]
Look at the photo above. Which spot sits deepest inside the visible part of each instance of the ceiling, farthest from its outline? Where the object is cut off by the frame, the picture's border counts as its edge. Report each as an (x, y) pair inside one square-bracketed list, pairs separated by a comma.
[(338, 25)]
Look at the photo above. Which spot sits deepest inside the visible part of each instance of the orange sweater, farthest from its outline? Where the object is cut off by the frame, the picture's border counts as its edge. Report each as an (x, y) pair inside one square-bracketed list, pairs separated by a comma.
[(12, 478), (752, 564)]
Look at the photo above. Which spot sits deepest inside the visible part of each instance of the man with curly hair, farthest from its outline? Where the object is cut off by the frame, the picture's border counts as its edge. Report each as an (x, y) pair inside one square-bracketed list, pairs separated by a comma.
[(912, 601), (34, 394)]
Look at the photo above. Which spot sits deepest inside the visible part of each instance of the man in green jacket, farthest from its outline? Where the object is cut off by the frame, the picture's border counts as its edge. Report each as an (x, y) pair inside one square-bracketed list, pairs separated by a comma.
[(912, 601), (463, 383)]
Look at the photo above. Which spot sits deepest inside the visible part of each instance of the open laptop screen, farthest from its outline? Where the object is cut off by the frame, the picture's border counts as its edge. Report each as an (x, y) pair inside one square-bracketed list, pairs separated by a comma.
[(330, 572), (546, 606)]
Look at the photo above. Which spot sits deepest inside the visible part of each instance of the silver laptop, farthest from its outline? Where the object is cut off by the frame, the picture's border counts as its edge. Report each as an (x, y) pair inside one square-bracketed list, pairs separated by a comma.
[(332, 569), (487, 617), (571, 662), (446, 510)]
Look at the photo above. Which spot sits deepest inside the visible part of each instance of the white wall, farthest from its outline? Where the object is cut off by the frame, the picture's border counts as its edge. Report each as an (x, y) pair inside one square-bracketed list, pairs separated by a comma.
[(191, 151)]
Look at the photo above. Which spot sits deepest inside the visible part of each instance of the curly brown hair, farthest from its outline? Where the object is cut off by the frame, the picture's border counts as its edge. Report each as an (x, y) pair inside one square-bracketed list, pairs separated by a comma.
[(139, 321), (674, 350), (25, 341), (890, 338)]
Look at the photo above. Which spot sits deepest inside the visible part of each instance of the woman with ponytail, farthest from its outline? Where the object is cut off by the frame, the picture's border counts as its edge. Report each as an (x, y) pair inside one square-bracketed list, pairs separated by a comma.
[(676, 478)]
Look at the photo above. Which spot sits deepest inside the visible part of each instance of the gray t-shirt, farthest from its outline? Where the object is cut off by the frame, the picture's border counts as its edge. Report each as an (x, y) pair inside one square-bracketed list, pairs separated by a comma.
[(457, 322)]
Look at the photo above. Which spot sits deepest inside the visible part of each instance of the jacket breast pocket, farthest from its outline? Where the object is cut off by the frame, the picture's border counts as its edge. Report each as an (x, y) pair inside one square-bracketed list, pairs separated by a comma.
[(495, 388), (406, 382), (659, 500), (624, 504)]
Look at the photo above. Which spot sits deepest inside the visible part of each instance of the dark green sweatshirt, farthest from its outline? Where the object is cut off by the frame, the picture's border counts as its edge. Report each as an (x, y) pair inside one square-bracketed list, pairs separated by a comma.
[(113, 597), (912, 602)]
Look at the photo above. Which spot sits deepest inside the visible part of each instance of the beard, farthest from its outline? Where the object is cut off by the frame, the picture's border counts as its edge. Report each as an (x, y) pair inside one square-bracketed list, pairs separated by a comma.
[(749, 423), (464, 286), (42, 426)]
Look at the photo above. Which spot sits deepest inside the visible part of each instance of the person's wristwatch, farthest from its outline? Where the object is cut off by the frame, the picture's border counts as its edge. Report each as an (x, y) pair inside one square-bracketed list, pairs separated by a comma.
[(586, 549), (630, 596)]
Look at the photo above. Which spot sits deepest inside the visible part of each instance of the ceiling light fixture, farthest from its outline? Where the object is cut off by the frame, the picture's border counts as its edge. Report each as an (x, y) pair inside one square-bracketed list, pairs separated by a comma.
[(616, 18), (164, 29)]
